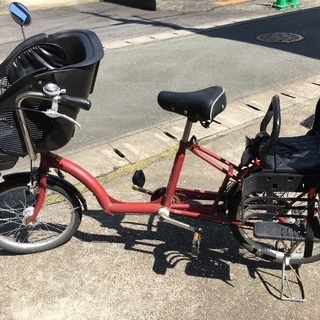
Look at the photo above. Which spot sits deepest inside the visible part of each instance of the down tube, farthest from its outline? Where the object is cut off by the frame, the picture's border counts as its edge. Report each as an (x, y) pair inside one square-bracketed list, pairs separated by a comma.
[(108, 204)]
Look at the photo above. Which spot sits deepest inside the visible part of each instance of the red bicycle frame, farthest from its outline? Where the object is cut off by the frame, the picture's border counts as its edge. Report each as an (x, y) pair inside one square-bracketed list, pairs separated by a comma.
[(111, 206)]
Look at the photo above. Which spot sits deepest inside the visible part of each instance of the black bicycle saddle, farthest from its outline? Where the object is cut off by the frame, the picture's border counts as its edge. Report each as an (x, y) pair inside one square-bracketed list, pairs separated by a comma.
[(202, 105)]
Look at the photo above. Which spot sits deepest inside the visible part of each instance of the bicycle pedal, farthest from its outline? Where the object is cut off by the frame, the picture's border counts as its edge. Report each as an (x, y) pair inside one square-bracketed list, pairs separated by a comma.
[(196, 242), (139, 179)]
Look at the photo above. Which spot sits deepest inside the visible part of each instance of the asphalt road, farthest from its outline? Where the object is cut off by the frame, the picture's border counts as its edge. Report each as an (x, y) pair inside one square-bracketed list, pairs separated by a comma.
[(130, 78), (221, 52)]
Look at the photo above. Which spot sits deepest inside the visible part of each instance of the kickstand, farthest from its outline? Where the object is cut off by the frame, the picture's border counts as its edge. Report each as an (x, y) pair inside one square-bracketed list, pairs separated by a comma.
[(285, 282)]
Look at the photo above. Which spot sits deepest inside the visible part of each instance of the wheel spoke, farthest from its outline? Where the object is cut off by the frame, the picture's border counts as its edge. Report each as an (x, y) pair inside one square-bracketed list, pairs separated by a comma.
[(293, 210), (57, 220)]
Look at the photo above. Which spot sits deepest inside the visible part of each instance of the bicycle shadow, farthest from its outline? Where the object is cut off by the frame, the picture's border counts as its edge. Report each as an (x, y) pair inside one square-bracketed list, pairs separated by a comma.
[(171, 246)]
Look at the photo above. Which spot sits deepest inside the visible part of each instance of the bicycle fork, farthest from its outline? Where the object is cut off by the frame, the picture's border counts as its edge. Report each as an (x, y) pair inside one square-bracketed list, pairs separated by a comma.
[(31, 213)]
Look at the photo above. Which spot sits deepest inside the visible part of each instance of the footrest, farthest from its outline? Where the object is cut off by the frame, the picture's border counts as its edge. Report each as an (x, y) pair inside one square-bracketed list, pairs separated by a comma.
[(280, 231)]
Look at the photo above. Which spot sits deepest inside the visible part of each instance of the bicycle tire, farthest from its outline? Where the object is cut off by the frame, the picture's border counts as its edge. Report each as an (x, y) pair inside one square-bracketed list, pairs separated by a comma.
[(263, 248), (58, 219)]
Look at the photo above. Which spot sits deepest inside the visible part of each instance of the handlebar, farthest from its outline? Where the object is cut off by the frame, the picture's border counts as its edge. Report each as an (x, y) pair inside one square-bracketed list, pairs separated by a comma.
[(70, 101), (76, 102)]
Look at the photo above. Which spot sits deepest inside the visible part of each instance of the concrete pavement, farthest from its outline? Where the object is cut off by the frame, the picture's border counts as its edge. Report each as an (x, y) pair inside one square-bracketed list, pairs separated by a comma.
[(129, 267)]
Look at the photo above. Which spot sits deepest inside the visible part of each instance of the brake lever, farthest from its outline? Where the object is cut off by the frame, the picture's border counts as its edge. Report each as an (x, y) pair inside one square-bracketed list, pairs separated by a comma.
[(53, 111), (54, 114)]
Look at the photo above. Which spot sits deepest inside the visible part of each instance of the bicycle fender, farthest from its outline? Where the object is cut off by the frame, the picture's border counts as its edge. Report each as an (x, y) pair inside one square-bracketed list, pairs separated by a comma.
[(53, 180)]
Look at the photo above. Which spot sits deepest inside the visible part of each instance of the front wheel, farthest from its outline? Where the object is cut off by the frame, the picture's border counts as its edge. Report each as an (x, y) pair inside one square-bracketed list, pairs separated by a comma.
[(57, 221), (268, 249)]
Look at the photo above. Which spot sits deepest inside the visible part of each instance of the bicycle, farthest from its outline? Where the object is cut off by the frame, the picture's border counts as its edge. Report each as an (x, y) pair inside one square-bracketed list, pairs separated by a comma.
[(270, 200)]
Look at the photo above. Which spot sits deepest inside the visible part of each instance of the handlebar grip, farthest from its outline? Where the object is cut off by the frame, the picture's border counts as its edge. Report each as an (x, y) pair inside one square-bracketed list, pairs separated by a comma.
[(76, 102)]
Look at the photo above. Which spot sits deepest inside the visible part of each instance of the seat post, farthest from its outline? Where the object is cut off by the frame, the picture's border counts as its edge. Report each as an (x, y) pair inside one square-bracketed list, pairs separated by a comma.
[(187, 130)]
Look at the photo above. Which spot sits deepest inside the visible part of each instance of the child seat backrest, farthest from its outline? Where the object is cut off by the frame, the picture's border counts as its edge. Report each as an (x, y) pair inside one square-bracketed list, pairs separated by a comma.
[(41, 53), (71, 60), (32, 55)]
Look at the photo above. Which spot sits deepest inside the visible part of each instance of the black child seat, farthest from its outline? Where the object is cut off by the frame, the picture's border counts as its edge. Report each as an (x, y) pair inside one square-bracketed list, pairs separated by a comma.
[(290, 171), (300, 154), (71, 60)]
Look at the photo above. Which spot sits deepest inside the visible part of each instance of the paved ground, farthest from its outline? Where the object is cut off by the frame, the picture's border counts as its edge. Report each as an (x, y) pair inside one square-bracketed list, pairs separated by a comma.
[(130, 267)]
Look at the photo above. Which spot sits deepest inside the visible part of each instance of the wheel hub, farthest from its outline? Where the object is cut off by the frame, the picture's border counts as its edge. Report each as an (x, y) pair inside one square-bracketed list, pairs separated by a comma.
[(27, 214)]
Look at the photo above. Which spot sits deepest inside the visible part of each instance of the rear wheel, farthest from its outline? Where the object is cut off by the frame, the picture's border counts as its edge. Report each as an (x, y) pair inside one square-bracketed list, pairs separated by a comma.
[(268, 249), (57, 221)]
